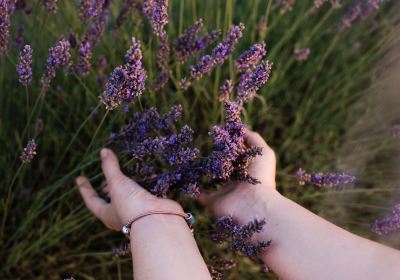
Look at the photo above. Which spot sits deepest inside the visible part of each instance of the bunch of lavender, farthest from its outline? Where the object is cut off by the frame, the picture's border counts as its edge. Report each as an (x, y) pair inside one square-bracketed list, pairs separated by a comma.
[(60, 57), (219, 54), (240, 236), (24, 69), (50, 6), (302, 54), (7, 7), (388, 224), (189, 43), (90, 9), (29, 152), (126, 83), (320, 179), (89, 39), (163, 161), (249, 59), (230, 157)]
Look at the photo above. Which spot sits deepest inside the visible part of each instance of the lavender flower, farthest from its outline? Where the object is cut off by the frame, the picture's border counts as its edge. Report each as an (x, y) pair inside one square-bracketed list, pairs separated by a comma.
[(219, 54), (60, 57), (160, 81), (7, 7), (352, 14), (29, 152), (50, 5), (225, 90), (388, 224), (395, 130), (123, 250), (252, 82), (248, 60), (188, 44), (90, 9), (95, 30), (240, 236), (126, 83), (302, 54), (324, 179), (24, 69), (84, 58), (219, 267), (19, 39), (163, 52), (157, 13)]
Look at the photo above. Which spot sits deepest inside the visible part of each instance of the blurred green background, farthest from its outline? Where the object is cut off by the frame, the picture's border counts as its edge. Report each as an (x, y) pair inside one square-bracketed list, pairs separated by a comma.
[(328, 113)]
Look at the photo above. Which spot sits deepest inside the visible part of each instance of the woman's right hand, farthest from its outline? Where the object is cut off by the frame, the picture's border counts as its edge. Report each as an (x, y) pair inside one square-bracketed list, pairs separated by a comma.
[(244, 201)]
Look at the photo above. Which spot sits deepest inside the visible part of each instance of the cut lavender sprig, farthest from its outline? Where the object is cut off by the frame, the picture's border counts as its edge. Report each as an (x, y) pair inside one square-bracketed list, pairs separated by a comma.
[(126, 83), (29, 152), (388, 224), (219, 54), (225, 91), (251, 82), (24, 69), (60, 57), (157, 13), (302, 54), (320, 179), (240, 236), (189, 44), (248, 60)]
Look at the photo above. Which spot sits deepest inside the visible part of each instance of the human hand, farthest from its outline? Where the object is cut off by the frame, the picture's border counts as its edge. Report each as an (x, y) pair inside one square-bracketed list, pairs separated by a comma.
[(128, 199), (244, 201)]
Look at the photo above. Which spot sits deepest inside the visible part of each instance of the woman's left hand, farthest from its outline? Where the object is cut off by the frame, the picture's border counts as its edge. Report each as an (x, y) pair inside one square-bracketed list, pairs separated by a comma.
[(128, 199)]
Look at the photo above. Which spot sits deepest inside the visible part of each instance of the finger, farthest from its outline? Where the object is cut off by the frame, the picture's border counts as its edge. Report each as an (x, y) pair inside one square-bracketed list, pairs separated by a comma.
[(93, 202), (254, 139), (110, 166), (105, 187)]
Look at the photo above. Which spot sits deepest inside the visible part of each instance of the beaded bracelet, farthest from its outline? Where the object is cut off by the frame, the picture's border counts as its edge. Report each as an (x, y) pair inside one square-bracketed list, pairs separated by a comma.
[(189, 218)]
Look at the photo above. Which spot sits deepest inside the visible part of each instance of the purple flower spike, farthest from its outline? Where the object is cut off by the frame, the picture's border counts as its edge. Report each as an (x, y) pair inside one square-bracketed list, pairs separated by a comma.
[(302, 54), (388, 224), (240, 236), (219, 54), (7, 7), (189, 44), (84, 58), (24, 69), (29, 152), (157, 13), (90, 9), (163, 52), (252, 82), (60, 57), (160, 81), (320, 179), (225, 91), (126, 83), (248, 60)]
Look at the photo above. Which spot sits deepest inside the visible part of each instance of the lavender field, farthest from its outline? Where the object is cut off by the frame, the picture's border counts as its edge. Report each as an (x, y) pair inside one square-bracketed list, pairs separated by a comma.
[(169, 86)]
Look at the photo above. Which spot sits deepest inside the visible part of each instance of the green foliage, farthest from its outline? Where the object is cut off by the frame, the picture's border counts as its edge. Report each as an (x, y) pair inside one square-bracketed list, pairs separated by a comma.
[(303, 112)]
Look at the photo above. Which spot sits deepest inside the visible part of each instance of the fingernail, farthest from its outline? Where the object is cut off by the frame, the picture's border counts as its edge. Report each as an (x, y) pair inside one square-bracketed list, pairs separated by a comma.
[(103, 153)]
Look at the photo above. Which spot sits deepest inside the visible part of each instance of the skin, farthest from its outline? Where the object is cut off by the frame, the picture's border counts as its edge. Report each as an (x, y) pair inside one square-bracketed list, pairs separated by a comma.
[(304, 246), (162, 246)]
